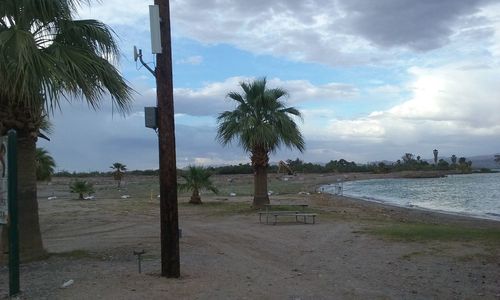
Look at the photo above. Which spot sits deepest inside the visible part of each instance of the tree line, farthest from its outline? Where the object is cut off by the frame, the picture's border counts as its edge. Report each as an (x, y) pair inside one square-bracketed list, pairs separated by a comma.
[(408, 162)]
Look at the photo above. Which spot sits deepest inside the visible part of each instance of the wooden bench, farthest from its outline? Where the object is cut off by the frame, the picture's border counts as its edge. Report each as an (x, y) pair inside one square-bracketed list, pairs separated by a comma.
[(276, 214), (297, 213)]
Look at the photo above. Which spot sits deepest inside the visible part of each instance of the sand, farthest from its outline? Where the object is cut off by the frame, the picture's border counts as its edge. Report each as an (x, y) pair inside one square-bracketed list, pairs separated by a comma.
[(228, 254)]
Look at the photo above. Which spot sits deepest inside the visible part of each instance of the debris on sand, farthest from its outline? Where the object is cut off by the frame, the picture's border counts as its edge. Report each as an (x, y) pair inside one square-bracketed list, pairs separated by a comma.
[(67, 283)]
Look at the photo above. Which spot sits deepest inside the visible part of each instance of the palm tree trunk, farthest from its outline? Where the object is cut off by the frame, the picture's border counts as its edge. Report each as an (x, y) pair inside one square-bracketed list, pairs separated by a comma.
[(195, 197), (260, 160), (260, 197), (30, 238)]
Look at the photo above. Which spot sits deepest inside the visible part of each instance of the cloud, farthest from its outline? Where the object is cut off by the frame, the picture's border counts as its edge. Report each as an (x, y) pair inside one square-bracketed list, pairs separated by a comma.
[(130, 13), (192, 60), (335, 32), (211, 98), (329, 32), (386, 89), (452, 94), (418, 25), (450, 108)]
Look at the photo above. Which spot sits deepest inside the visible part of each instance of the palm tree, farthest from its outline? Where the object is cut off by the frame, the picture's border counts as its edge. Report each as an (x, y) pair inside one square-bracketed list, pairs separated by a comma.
[(435, 152), (454, 162), (45, 56), (81, 187), (197, 179), (119, 172), (45, 165), (261, 124)]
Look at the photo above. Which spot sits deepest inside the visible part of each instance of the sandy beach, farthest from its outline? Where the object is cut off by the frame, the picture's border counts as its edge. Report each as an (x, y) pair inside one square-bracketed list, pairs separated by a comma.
[(227, 254)]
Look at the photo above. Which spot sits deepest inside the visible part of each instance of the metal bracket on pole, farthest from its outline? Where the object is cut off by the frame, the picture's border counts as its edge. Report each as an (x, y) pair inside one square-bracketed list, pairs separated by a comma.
[(138, 55)]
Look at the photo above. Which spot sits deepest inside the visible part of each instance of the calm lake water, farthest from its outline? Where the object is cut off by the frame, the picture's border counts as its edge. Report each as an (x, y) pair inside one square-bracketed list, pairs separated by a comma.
[(472, 194)]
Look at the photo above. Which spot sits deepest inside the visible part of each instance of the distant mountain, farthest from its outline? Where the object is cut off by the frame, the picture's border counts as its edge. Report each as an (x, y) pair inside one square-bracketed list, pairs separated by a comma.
[(484, 161)]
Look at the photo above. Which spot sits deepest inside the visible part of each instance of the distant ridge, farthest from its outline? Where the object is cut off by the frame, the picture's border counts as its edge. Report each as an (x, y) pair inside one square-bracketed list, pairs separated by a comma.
[(484, 161)]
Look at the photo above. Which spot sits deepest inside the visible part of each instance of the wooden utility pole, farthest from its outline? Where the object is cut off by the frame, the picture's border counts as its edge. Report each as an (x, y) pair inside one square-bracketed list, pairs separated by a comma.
[(170, 260)]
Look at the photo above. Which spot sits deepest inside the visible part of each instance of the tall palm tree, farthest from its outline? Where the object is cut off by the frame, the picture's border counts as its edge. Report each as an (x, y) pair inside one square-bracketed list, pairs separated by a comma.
[(261, 124), (119, 172), (45, 165), (45, 56), (197, 179)]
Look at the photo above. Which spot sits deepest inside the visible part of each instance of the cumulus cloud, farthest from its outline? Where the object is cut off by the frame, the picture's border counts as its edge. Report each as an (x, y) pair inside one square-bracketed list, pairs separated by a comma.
[(452, 94), (419, 25), (333, 32), (211, 98), (451, 108), (329, 32)]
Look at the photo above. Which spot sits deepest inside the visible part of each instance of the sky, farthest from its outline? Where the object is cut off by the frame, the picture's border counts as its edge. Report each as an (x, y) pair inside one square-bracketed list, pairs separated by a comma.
[(372, 79)]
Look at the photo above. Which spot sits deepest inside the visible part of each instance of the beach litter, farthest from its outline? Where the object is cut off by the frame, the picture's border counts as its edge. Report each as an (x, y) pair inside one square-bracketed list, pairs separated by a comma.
[(67, 283), (52, 198), (125, 196), (232, 194)]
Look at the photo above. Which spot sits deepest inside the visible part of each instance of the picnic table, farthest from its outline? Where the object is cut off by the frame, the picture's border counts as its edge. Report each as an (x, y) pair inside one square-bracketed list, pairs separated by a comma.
[(299, 212)]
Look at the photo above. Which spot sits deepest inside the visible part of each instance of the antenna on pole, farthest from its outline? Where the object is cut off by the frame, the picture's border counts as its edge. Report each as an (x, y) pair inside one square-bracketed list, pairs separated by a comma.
[(138, 55)]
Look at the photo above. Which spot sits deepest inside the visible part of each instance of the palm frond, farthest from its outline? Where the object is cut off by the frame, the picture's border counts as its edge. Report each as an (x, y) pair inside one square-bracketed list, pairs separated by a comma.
[(261, 119), (196, 178), (46, 55), (45, 164)]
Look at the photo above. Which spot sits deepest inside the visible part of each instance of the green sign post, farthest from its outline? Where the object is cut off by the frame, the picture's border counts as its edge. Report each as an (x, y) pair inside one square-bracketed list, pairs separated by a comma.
[(4, 207), (13, 212)]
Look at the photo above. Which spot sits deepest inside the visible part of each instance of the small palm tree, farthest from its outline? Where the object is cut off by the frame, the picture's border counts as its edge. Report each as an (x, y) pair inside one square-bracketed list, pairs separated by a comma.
[(45, 165), (119, 172), (197, 179), (81, 187), (261, 123)]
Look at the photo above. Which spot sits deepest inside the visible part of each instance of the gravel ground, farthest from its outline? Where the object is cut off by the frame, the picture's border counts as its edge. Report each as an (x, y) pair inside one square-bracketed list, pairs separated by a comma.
[(228, 254)]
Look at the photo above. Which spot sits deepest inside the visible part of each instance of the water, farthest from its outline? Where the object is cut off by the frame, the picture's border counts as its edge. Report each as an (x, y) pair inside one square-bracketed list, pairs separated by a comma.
[(475, 195)]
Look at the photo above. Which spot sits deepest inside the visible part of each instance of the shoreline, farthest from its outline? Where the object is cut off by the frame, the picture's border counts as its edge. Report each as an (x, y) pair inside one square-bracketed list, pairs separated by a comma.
[(363, 208), (405, 175), (411, 206), (416, 207)]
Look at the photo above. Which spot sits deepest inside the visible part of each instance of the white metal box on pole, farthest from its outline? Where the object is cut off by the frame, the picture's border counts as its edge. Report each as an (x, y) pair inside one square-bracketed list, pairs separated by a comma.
[(154, 25)]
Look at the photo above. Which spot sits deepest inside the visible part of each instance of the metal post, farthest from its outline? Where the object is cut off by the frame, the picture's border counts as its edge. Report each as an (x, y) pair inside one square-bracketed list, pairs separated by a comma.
[(139, 259), (13, 214), (170, 261)]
